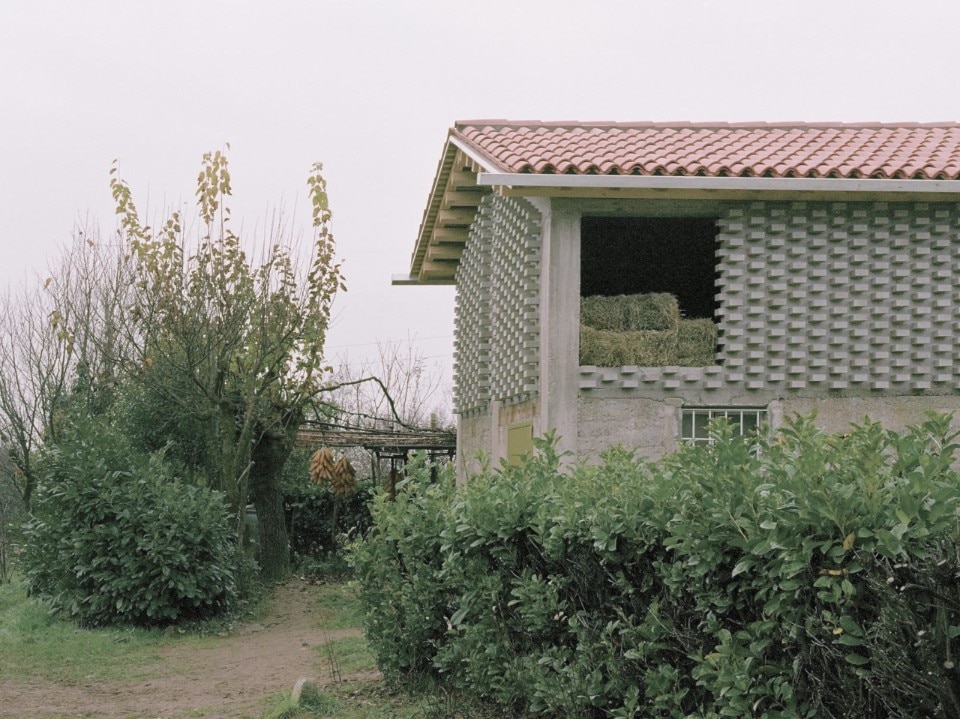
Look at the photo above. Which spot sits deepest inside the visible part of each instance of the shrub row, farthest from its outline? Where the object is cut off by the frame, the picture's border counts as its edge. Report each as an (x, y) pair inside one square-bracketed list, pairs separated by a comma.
[(317, 519), (803, 575)]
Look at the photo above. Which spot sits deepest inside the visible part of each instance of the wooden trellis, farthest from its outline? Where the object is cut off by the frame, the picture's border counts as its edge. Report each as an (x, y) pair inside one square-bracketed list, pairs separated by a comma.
[(395, 446)]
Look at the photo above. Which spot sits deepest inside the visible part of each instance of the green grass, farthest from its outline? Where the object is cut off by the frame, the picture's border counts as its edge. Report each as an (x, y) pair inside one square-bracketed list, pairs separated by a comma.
[(348, 701), (337, 606), (347, 656), (36, 643)]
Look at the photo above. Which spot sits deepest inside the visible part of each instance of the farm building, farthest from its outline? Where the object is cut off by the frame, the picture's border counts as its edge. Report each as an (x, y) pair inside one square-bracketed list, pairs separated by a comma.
[(625, 283)]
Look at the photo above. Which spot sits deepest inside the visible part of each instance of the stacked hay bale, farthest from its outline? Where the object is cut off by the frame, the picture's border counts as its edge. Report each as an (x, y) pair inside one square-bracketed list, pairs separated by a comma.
[(645, 330)]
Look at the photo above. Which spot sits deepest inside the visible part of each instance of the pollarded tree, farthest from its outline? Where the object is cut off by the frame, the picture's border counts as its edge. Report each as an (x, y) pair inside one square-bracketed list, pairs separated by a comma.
[(233, 344)]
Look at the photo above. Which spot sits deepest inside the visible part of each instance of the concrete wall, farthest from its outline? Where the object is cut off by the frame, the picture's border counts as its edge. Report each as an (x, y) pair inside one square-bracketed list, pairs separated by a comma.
[(650, 424), (497, 346), (652, 427), (498, 338), (473, 443), (482, 437), (847, 307), (835, 414)]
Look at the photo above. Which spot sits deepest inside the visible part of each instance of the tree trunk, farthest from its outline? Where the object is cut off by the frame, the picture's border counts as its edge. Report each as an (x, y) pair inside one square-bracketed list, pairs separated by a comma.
[(269, 456)]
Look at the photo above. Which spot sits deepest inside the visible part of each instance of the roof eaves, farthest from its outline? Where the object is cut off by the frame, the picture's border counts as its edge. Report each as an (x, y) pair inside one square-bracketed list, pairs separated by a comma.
[(731, 183), (430, 214), (480, 161)]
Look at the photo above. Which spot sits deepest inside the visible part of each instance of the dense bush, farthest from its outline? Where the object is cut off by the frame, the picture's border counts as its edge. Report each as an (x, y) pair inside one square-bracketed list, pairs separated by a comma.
[(400, 567), (116, 538), (803, 575)]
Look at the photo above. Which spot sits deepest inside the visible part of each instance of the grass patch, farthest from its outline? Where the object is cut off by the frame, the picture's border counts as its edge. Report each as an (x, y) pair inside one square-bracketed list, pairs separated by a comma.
[(337, 606), (37, 643), (350, 700), (349, 655), (313, 703)]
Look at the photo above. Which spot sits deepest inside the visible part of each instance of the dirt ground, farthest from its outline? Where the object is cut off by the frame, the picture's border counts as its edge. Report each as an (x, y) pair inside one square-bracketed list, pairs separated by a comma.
[(231, 679)]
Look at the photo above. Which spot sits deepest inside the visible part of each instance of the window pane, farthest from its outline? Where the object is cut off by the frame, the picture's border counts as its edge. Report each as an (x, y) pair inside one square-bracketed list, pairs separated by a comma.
[(701, 425), (695, 422)]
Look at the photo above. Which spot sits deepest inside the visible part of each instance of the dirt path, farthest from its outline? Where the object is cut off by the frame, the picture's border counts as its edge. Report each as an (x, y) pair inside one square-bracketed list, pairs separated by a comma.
[(229, 678)]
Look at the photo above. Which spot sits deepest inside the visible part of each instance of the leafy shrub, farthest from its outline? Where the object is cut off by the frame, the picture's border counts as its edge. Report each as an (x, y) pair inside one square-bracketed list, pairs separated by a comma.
[(116, 538), (400, 570), (803, 575)]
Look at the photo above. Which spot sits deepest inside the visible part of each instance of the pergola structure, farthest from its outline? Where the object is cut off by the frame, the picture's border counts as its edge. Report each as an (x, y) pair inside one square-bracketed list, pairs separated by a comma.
[(393, 445)]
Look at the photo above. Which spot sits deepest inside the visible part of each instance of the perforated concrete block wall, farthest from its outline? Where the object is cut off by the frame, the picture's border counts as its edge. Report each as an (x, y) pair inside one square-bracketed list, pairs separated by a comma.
[(497, 311), (821, 299)]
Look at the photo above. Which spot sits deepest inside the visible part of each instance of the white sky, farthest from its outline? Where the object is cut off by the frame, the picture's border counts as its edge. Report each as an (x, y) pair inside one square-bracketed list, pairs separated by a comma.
[(370, 89)]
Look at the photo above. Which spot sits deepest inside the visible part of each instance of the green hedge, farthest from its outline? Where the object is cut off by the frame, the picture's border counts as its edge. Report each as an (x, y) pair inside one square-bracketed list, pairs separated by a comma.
[(802, 576), (116, 538)]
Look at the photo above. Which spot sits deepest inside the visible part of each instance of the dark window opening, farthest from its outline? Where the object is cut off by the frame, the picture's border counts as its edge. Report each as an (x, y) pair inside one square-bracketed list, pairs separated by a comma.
[(634, 255), (648, 292)]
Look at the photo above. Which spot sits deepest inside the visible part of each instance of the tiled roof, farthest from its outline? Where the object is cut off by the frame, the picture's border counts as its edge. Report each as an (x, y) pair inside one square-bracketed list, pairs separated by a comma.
[(869, 150)]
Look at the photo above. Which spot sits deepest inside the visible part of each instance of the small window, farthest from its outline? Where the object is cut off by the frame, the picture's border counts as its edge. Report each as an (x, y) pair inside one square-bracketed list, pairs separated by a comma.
[(695, 421)]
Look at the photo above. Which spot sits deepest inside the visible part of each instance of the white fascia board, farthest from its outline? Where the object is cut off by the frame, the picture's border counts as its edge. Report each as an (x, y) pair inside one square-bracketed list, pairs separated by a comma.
[(748, 184), (471, 152)]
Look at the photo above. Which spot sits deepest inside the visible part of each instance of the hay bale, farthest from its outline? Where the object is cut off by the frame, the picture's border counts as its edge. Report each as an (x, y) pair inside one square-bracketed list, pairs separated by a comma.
[(651, 348), (696, 343), (692, 344), (601, 313), (647, 348), (651, 311), (601, 348)]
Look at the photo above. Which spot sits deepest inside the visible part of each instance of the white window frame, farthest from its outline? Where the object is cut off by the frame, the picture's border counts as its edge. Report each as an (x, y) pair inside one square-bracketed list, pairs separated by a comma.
[(744, 419)]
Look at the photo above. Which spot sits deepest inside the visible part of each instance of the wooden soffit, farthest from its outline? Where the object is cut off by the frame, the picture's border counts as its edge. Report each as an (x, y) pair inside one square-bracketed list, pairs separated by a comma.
[(446, 223)]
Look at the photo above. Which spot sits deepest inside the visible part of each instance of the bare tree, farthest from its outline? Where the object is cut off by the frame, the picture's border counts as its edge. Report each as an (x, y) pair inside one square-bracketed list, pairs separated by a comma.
[(54, 334), (398, 389)]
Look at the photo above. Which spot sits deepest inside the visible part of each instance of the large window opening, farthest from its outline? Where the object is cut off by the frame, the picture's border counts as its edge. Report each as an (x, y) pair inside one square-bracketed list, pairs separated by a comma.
[(632, 255), (648, 291)]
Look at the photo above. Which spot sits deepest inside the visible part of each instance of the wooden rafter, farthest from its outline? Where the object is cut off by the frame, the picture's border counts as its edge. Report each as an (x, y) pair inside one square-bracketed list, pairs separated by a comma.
[(450, 214)]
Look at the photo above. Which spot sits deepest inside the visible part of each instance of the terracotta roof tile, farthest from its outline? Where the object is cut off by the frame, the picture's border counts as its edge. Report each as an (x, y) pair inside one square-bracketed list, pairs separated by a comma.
[(810, 150)]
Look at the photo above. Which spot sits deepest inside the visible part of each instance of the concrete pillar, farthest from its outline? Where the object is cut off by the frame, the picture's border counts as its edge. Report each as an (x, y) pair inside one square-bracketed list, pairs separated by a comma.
[(560, 322)]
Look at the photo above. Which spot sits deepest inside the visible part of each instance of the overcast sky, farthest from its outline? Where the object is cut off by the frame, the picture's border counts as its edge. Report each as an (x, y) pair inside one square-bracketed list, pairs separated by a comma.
[(370, 89)]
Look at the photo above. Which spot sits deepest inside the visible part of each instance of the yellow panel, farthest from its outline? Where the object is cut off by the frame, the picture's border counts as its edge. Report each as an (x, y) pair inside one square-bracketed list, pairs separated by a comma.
[(519, 441)]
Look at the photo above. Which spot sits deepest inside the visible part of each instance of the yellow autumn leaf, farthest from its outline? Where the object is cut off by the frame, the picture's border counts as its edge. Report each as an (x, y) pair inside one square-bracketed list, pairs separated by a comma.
[(848, 542)]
